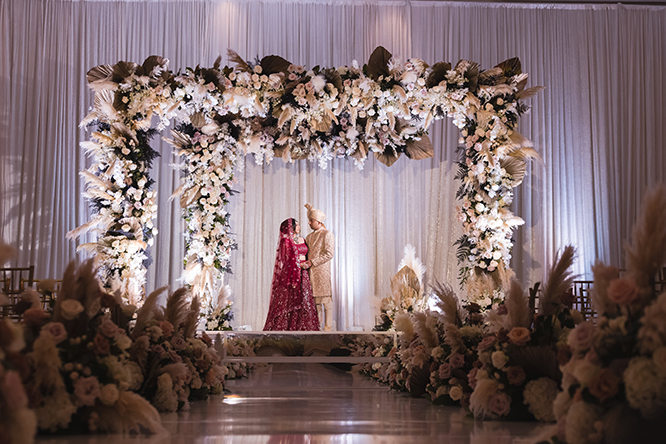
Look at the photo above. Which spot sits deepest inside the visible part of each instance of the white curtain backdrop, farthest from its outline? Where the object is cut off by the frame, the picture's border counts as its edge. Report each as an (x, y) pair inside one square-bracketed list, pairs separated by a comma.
[(599, 126)]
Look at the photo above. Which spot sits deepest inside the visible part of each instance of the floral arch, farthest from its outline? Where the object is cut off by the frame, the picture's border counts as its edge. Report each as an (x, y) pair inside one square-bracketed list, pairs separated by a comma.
[(272, 108)]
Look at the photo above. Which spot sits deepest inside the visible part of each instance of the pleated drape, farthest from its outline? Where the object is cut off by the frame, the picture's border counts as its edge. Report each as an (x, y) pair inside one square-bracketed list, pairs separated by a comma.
[(599, 126)]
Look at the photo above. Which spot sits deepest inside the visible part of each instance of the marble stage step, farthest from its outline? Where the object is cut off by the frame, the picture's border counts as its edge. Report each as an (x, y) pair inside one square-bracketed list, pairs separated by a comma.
[(301, 346)]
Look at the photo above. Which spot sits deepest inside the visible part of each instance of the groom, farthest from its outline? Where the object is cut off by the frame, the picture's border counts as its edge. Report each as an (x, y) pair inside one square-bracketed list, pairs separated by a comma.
[(320, 252)]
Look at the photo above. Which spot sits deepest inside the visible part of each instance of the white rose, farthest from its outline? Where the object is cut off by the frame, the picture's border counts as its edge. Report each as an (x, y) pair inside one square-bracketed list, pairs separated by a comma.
[(123, 342), (499, 359), (585, 371), (456, 392), (109, 394), (70, 309)]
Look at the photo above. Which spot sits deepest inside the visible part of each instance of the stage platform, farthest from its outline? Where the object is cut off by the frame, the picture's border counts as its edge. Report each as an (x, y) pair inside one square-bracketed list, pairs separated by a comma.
[(302, 346)]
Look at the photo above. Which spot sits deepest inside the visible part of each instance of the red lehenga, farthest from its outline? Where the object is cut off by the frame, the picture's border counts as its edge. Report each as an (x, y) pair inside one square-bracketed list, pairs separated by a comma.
[(292, 305)]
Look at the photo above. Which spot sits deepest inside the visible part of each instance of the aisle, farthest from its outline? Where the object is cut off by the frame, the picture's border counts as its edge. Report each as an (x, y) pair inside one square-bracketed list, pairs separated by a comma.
[(316, 403)]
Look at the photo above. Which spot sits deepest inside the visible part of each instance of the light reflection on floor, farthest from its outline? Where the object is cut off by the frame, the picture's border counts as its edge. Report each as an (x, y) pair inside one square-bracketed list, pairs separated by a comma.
[(316, 403)]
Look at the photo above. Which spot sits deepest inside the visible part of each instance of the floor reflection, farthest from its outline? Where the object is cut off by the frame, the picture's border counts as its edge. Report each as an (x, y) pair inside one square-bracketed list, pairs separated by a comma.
[(316, 403)]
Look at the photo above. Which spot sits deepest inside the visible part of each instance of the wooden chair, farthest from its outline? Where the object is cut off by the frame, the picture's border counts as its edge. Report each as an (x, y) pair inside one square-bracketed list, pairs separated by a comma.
[(12, 284), (583, 301), (48, 298)]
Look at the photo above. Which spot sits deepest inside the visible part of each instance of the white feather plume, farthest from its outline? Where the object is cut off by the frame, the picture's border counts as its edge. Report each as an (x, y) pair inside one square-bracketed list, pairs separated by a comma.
[(410, 260)]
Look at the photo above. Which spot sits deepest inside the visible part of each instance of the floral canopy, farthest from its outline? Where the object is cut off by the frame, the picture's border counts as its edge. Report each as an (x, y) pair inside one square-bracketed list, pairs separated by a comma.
[(272, 108)]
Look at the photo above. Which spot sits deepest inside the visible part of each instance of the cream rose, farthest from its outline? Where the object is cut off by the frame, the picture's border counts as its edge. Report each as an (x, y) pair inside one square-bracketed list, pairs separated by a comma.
[(109, 394), (622, 291), (456, 393), (499, 359), (70, 309)]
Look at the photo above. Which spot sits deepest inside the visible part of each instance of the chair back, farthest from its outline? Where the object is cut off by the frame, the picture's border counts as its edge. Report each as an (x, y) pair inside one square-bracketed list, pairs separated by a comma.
[(13, 281)]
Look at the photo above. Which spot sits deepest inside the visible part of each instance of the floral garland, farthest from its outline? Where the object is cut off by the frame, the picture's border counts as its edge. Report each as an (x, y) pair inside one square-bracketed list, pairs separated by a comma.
[(272, 108)]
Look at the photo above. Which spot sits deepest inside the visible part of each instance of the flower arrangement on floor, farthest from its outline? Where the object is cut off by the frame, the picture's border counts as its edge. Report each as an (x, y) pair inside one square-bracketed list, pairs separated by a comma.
[(407, 293), (81, 376), (18, 423), (273, 108), (517, 375), (219, 317), (177, 366), (239, 347), (615, 374)]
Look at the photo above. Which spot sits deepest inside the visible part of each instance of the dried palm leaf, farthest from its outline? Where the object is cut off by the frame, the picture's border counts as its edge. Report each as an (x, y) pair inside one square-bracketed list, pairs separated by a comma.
[(559, 281), (419, 149), (378, 63), (418, 380), (241, 65), (198, 120), (529, 92), (332, 76), (123, 70), (510, 67), (274, 64), (538, 362), (515, 168), (388, 157), (437, 74), (154, 65)]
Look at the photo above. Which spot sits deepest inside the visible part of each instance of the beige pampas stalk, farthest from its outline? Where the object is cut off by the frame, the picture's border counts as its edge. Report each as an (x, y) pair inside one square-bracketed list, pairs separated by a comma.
[(147, 311), (453, 338), (176, 307), (560, 280), (130, 414), (479, 401), (192, 319), (602, 276), (423, 330), (448, 303), (403, 323), (517, 305), (647, 253)]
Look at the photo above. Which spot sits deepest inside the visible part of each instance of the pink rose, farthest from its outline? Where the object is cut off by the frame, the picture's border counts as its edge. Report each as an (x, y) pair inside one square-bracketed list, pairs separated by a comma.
[(604, 385), (35, 316), (12, 391), (516, 375), (101, 345), (108, 328), (444, 371), (56, 330), (519, 336), (167, 328), (471, 377), (158, 349), (173, 356), (456, 360), (487, 343), (622, 291), (211, 377), (86, 390), (582, 337), (178, 343), (500, 404)]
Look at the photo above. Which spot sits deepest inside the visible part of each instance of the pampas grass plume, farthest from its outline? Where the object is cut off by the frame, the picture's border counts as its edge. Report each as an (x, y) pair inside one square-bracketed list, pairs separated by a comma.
[(560, 280), (403, 323), (517, 305)]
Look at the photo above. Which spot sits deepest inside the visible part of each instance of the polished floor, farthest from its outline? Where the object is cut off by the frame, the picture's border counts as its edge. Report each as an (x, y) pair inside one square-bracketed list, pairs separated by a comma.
[(318, 403)]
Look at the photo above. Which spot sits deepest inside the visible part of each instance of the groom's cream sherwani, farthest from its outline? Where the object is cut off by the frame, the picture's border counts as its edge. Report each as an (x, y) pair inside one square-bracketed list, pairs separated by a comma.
[(321, 244)]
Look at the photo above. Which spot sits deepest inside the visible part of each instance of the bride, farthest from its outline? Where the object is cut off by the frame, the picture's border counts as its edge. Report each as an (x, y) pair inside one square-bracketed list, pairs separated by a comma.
[(292, 304)]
